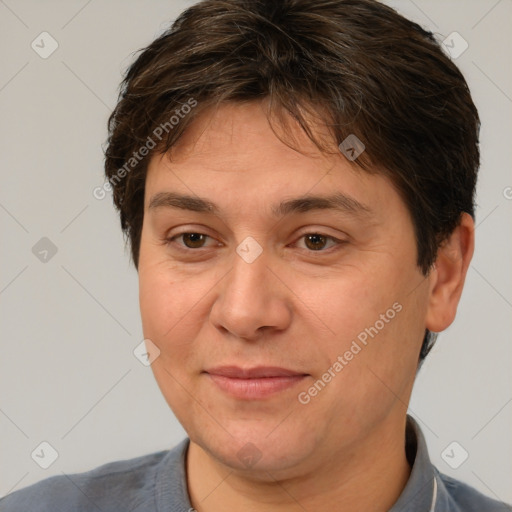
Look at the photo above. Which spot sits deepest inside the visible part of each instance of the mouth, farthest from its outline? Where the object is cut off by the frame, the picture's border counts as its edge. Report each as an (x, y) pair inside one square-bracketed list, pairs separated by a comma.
[(253, 383)]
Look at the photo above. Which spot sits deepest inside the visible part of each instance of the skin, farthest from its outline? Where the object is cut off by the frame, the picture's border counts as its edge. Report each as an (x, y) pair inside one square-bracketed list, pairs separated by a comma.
[(292, 307)]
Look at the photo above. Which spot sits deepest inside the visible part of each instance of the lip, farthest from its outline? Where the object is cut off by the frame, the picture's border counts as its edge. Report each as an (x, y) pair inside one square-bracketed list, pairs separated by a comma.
[(235, 372), (254, 383)]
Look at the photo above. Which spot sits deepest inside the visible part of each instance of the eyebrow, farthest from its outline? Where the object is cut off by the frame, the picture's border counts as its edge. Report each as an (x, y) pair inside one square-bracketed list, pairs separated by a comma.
[(338, 201)]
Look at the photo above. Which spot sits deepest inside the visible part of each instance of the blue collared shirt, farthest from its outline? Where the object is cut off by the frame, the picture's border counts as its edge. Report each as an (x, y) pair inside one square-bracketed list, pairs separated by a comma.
[(157, 483)]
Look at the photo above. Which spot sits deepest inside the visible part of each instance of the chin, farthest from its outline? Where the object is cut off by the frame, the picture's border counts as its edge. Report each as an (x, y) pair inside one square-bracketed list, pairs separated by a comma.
[(259, 448)]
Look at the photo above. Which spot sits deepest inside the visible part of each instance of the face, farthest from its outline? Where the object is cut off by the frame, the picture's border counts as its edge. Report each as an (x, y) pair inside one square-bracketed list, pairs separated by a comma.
[(282, 293)]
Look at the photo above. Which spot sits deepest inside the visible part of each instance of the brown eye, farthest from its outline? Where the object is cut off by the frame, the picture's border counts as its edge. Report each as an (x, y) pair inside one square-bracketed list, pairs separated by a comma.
[(193, 240), (315, 242)]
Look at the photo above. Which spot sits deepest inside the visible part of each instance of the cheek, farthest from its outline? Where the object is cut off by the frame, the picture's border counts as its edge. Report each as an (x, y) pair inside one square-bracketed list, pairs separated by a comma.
[(174, 307), (346, 304), (375, 325), (164, 301), (158, 304)]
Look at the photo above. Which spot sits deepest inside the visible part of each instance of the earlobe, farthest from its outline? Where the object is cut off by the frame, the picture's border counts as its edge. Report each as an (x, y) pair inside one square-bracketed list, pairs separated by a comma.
[(448, 275)]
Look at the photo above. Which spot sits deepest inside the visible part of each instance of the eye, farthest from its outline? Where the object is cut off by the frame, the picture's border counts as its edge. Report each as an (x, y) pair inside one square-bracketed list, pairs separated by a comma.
[(190, 240), (313, 242), (318, 242)]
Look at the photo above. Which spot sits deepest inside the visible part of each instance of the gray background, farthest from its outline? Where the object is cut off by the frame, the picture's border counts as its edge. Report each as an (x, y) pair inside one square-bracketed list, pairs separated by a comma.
[(69, 325)]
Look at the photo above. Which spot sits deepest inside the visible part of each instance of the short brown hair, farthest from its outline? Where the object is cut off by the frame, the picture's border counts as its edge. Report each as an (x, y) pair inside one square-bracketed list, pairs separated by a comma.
[(363, 68)]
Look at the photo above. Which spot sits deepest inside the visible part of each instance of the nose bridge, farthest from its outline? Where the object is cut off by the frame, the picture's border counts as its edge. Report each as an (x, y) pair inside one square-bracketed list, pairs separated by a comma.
[(248, 281), (249, 298)]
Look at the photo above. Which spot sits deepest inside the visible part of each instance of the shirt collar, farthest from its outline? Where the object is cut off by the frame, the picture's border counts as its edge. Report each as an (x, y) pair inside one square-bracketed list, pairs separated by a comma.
[(418, 493)]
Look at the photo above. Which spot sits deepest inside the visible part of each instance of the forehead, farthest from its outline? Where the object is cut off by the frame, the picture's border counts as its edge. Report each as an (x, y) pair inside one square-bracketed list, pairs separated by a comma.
[(233, 153), (240, 129)]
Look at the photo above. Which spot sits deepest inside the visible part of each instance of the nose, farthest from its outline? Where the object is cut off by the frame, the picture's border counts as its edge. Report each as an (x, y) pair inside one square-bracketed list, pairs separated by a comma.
[(251, 301)]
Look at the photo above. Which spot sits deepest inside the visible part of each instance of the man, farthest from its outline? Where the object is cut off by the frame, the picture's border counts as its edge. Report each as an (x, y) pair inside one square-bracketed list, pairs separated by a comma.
[(297, 183)]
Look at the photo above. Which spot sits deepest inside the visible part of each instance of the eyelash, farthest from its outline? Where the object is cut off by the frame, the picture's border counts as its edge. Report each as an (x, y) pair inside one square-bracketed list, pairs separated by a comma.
[(171, 240)]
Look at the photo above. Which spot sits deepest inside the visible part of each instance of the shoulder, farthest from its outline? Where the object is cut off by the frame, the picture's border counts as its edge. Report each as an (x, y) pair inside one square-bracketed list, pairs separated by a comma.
[(120, 485), (460, 497)]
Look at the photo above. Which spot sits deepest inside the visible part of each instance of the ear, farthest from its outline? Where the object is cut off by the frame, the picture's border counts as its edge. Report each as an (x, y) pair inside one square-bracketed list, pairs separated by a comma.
[(448, 275)]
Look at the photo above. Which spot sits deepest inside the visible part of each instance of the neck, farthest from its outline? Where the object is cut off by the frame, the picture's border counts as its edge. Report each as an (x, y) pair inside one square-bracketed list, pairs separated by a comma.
[(369, 476)]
